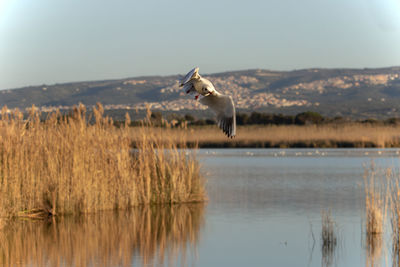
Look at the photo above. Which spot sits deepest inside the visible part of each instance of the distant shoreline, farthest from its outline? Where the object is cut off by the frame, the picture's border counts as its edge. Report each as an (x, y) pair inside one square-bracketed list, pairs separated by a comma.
[(347, 135), (316, 144)]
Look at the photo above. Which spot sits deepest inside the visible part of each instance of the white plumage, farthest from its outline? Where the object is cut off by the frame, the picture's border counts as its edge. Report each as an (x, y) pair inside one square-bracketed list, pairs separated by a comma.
[(221, 104)]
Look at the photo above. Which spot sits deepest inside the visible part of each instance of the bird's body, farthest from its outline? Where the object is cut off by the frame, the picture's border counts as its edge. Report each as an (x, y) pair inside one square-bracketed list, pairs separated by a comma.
[(221, 104)]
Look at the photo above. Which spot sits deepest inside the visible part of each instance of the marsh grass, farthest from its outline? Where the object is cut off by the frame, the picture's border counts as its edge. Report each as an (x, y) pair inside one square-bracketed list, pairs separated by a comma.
[(145, 235), (65, 165), (377, 197)]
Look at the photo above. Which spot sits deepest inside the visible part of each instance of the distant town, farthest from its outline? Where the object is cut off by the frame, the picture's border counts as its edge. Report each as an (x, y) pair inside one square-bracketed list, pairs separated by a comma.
[(251, 90)]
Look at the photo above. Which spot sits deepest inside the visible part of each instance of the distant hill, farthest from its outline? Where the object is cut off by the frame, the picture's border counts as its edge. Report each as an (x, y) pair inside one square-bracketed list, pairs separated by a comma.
[(356, 93)]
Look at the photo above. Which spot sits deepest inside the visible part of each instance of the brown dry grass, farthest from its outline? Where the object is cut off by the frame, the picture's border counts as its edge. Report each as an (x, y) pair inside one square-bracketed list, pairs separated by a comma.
[(329, 135), (152, 236), (67, 165)]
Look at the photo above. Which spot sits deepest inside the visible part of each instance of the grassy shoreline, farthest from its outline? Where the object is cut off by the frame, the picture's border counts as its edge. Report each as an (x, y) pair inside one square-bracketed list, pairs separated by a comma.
[(351, 135)]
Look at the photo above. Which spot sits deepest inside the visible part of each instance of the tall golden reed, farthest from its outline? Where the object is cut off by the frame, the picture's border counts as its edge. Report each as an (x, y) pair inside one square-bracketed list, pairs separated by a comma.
[(378, 202), (375, 205), (65, 164)]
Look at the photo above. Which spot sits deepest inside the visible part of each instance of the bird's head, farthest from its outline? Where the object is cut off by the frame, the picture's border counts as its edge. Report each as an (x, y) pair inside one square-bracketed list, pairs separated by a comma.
[(207, 91)]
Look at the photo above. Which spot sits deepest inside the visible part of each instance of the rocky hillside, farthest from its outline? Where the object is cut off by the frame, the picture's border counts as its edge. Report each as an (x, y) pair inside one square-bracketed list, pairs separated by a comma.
[(357, 93)]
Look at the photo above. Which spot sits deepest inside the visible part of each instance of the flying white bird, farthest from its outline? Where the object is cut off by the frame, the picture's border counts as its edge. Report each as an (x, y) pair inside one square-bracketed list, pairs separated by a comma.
[(221, 104)]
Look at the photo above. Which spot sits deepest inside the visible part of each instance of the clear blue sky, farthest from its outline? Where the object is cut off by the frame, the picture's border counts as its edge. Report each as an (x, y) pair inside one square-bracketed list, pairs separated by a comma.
[(50, 41)]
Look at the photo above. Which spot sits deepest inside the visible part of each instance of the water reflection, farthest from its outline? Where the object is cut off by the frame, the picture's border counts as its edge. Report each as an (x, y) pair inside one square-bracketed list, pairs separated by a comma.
[(142, 236), (374, 244), (328, 254)]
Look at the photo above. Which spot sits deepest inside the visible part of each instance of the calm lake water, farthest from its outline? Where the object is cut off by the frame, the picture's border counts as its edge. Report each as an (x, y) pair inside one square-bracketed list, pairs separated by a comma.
[(264, 209)]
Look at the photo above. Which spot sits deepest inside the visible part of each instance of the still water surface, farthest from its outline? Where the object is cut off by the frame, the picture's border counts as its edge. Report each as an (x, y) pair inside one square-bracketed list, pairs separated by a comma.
[(264, 209), (265, 206)]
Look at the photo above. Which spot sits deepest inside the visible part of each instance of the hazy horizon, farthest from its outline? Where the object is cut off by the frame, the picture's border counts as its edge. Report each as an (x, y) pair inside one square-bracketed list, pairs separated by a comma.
[(47, 42)]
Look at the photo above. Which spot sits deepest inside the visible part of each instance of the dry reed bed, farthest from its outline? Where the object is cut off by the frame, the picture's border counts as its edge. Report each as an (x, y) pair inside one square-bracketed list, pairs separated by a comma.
[(155, 235), (67, 165), (329, 135)]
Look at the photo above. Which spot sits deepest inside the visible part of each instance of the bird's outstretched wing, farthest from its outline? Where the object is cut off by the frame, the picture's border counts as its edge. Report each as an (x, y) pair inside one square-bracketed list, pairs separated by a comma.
[(223, 106), (194, 72)]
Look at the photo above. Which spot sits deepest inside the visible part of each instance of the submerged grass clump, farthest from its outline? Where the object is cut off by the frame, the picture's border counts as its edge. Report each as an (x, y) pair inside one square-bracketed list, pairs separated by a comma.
[(328, 232), (65, 164), (329, 238)]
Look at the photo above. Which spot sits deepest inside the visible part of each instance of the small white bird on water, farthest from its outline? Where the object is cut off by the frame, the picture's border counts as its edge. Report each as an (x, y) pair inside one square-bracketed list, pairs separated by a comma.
[(221, 104)]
